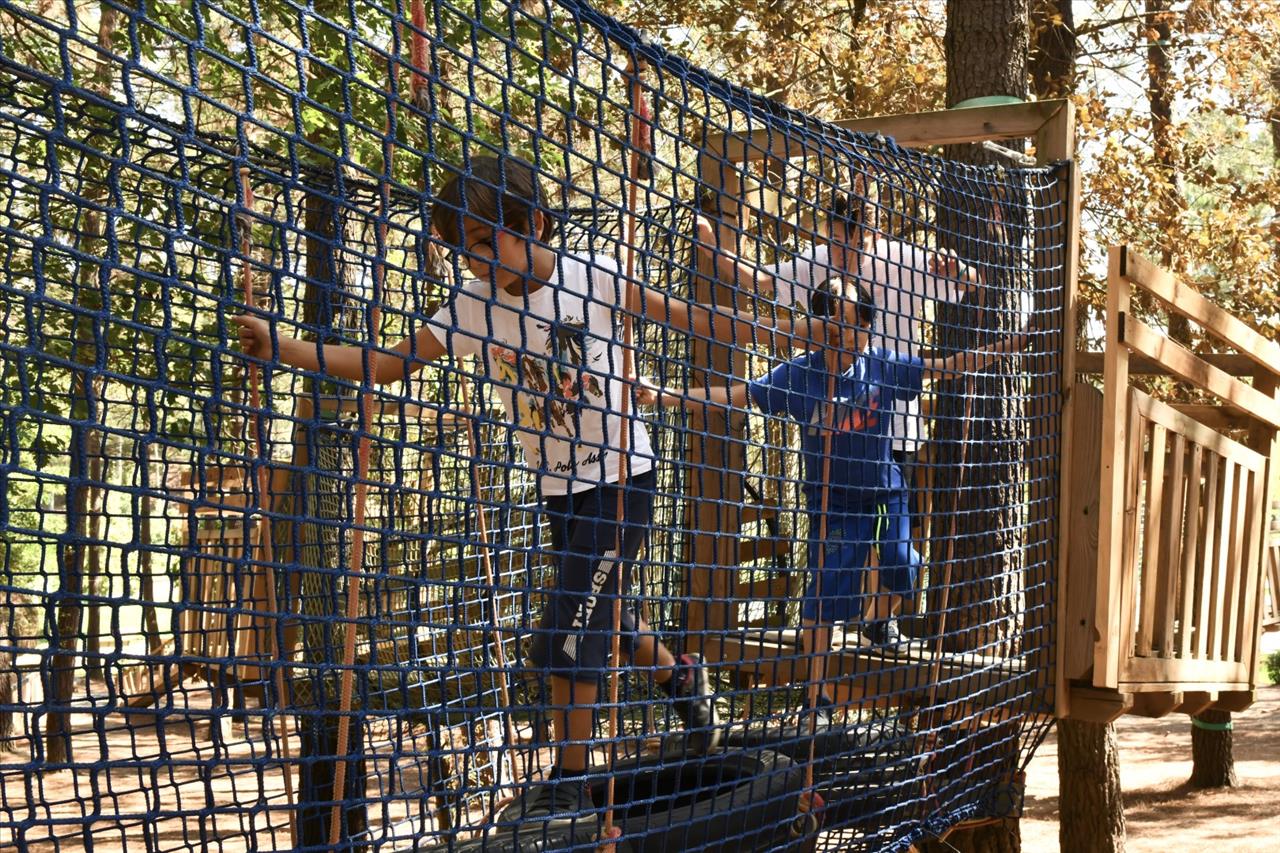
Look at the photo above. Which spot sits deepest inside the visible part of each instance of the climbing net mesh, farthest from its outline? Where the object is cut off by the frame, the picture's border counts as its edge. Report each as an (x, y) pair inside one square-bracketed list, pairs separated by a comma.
[(247, 603)]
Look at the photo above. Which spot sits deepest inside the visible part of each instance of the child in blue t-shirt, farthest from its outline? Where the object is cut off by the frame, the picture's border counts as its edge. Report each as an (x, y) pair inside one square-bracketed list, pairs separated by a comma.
[(842, 393)]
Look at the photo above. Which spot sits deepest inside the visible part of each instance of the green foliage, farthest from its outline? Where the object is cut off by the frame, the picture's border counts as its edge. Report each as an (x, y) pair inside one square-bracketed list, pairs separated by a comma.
[(1271, 663)]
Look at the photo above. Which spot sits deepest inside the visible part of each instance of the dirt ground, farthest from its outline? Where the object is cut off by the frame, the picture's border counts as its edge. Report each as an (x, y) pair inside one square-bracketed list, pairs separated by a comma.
[(1163, 815)]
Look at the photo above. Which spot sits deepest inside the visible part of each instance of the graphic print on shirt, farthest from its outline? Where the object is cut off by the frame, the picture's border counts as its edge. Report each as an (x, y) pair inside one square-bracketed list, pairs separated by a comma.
[(847, 415), (554, 384)]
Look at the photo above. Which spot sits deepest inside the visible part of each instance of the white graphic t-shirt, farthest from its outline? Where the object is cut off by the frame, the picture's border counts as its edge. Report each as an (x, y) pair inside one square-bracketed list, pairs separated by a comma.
[(901, 285), (554, 361)]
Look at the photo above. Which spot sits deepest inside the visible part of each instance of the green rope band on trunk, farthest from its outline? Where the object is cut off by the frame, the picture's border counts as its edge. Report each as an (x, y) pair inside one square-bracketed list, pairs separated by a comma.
[(1210, 727)]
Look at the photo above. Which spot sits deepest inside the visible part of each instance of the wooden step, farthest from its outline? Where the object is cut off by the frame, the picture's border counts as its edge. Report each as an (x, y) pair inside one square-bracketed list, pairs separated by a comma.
[(750, 550)]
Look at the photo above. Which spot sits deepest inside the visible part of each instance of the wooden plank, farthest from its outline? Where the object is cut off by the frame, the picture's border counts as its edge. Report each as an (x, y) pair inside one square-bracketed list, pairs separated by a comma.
[(1207, 555), (1168, 568), (1267, 442), (1094, 705), (1227, 362), (1190, 563), (1111, 495), (1195, 701), (1187, 301), (1171, 419), (773, 589), (1237, 573), (1234, 701), (1186, 672), (1055, 142), (1245, 631), (1076, 626), (1186, 365), (719, 456), (1153, 534), (1128, 566), (1221, 418), (911, 130), (1222, 562), (1155, 705), (751, 550)]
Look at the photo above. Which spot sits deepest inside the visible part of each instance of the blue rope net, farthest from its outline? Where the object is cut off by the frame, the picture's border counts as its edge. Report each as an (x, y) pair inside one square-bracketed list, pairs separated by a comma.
[(314, 621)]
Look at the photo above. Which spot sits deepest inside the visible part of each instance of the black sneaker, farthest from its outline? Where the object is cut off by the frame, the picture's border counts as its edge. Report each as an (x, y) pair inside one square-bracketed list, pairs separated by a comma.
[(821, 716), (695, 706), (553, 799), (884, 634)]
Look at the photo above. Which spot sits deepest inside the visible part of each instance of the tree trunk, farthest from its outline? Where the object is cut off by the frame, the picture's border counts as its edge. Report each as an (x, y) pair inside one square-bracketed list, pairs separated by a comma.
[(1212, 764), (1156, 31), (986, 54), (1090, 804), (146, 582), (99, 469), (1274, 118), (1053, 48), (86, 445)]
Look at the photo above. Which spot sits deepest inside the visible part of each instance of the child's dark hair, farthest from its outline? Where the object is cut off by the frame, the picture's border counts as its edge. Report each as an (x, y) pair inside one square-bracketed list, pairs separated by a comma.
[(499, 189), (847, 209), (826, 298)]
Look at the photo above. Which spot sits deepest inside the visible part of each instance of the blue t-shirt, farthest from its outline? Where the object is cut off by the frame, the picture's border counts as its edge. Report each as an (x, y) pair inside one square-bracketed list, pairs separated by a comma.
[(858, 414)]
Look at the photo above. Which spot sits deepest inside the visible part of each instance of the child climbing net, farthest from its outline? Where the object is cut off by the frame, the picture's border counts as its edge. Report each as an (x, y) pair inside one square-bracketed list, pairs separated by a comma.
[(411, 551)]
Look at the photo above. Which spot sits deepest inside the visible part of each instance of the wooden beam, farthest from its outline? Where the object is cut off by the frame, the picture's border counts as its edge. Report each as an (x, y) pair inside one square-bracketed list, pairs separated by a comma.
[(1184, 364), (1055, 142), (1111, 494), (1076, 633), (1234, 701), (1174, 421), (911, 130), (1220, 418), (1093, 705), (1178, 671), (1228, 362), (1187, 301), (1155, 705), (1195, 701)]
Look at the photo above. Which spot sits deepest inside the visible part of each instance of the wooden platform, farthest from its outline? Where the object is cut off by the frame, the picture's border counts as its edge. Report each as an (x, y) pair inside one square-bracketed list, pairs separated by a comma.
[(998, 685)]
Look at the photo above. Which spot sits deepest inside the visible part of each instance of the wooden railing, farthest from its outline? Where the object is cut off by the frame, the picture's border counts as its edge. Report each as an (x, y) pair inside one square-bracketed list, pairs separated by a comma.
[(1174, 598), (1271, 575)]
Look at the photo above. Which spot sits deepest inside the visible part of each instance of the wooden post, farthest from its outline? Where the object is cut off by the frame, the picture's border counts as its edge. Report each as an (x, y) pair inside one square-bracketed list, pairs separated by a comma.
[(1055, 142), (1115, 438), (715, 453)]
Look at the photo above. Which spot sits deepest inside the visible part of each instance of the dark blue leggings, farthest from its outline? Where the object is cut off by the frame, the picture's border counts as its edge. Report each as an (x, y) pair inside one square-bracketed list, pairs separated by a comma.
[(835, 592)]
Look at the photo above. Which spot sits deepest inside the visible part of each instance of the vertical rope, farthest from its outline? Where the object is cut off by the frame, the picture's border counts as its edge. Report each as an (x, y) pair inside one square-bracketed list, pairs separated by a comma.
[(633, 175), (482, 527), (355, 567), (935, 665), (264, 523), (818, 658)]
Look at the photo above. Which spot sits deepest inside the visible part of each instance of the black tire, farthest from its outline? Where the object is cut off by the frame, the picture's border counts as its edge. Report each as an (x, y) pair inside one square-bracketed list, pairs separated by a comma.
[(867, 774), (728, 802), (733, 801), (558, 836)]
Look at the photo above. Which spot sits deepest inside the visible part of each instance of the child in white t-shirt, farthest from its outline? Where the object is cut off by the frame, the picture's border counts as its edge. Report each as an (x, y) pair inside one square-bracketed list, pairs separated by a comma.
[(902, 279), (543, 325)]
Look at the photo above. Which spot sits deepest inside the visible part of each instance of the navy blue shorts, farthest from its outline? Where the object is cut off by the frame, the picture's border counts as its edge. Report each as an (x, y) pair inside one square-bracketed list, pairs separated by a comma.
[(835, 591), (573, 640)]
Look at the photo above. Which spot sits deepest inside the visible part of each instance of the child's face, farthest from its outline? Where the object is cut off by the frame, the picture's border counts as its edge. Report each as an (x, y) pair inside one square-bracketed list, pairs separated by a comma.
[(499, 255), (841, 243), (847, 331)]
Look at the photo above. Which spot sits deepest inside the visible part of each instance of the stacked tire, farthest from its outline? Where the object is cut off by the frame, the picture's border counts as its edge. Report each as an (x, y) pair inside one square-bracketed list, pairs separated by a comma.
[(867, 774), (732, 801)]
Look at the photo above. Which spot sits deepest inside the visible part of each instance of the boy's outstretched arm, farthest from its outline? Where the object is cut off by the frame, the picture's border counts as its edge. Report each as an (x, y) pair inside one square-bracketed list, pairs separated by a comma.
[(730, 268), (720, 396), (973, 359), (340, 360), (716, 322)]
